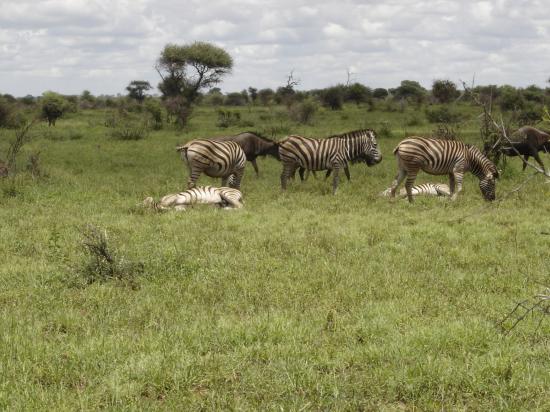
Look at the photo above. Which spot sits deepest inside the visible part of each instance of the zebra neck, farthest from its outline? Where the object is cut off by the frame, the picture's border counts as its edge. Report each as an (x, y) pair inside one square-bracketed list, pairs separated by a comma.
[(352, 148), (476, 164)]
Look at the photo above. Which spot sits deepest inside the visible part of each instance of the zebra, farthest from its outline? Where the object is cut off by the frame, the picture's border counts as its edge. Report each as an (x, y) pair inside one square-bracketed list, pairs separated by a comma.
[(331, 153), (428, 189), (225, 197), (215, 159), (438, 157)]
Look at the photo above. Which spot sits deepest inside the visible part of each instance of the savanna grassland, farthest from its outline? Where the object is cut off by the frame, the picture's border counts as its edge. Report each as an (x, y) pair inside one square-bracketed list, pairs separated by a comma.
[(300, 301)]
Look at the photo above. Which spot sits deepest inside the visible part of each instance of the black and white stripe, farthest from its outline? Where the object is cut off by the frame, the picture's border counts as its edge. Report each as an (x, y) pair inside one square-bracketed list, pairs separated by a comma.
[(215, 159), (439, 157), (424, 189), (327, 154), (225, 197)]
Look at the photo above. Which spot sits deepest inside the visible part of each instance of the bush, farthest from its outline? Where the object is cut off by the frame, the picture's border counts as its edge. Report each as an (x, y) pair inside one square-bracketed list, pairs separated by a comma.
[(227, 118), (103, 261), (384, 130), (130, 131), (303, 112), (153, 107), (53, 107), (333, 97), (442, 114)]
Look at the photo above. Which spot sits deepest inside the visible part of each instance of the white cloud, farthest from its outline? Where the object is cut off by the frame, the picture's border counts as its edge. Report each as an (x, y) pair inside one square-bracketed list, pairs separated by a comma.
[(101, 45)]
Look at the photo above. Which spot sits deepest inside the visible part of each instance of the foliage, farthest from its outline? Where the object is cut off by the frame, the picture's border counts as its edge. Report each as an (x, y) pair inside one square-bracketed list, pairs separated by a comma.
[(510, 98), (333, 97), (357, 93), (235, 99), (186, 69), (53, 106), (379, 93), (266, 96), (103, 262), (303, 112), (227, 118), (442, 114), (154, 108), (444, 91), (410, 90), (179, 108), (130, 131), (137, 88)]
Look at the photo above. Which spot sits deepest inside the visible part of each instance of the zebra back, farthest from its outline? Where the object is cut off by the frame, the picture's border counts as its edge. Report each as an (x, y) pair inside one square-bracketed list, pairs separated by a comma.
[(335, 151)]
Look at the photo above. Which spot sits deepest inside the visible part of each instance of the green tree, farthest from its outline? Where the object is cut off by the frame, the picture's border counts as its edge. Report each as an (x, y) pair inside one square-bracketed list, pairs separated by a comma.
[(410, 90), (444, 91), (266, 96), (510, 98), (137, 88), (333, 97), (380, 93), (357, 93), (53, 106), (253, 93), (187, 69)]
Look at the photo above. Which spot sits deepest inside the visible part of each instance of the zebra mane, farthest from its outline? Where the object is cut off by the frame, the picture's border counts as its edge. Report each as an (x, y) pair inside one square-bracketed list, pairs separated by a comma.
[(353, 133)]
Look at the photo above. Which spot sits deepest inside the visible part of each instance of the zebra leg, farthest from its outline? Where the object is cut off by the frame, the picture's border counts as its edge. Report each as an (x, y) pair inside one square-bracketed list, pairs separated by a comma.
[(327, 174), (411, 177), (301, 172), (289, 169), (255, 166), (335, 180), (452, 183), (346, 171), (235, 183), (193, 177), (458, 176), (397, 181)]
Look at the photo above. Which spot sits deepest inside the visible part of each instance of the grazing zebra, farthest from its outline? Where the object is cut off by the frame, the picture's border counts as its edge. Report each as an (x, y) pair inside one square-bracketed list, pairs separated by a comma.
[(528, 141), (225, 197), (253, 145), (331, 153), (439, 157), (428, 189), (215, 159)]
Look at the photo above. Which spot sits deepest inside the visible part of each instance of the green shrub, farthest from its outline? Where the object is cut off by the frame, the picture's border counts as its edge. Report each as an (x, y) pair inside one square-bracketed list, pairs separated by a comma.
[(130, 131), (304, 111), (442, 114)]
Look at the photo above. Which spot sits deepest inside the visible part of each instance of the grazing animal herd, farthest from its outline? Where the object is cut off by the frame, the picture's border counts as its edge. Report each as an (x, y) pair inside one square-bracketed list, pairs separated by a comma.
[(226, 156)]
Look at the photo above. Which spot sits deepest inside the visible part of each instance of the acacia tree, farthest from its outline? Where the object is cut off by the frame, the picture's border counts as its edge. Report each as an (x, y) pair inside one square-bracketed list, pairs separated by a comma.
[(53, 106), (444, 91), (137, 88), (187, 69)]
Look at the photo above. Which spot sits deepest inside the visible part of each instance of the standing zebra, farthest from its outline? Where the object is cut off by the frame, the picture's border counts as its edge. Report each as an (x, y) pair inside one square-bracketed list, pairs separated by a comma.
[(439, 157), (215, 159), (331, 153)]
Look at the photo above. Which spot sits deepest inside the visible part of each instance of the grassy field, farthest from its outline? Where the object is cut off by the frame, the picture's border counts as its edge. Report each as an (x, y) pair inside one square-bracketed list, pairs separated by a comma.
[(301, 301)]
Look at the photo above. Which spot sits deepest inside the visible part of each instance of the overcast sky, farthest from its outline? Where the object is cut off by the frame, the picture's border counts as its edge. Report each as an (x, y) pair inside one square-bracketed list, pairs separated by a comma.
[(101, 45)]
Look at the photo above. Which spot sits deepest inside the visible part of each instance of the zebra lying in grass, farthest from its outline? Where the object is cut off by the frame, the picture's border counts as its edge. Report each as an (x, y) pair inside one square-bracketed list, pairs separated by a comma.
[(427, 189), (443, 157), (225, 197)]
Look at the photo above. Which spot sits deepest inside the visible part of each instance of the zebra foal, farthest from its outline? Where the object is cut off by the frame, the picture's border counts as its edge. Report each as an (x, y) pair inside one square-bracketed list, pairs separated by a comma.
[(225, 197), (440, 157), (427, 189), (214, 159), (332, 153)]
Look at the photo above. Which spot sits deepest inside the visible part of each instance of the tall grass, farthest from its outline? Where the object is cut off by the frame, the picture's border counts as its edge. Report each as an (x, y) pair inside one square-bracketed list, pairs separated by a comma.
[(300, 301)]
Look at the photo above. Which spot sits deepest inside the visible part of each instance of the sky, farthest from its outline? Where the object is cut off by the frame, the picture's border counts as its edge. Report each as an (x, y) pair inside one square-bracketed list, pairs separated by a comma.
[(101, 45)]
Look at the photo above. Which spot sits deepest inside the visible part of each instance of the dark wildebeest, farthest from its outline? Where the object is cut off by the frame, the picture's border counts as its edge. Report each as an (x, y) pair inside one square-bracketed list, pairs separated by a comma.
[(253, 145), (528, 141)]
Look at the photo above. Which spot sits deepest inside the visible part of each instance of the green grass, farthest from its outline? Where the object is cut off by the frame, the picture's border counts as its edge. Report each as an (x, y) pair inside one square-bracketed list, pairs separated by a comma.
[(300, 301)]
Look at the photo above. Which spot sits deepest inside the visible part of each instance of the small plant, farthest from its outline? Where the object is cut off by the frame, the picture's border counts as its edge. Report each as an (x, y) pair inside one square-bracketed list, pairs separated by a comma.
[(130, 132), (33, 166), (384, 130), (103, 263), (227, 118), (446, 132)]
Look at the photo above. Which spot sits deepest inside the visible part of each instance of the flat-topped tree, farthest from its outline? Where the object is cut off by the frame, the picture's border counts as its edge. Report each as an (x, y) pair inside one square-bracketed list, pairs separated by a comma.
[(187, 69)]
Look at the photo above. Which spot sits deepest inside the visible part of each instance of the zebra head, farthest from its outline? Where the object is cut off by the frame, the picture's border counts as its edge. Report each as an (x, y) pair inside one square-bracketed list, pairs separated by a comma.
[(487, 183), (371, 154)]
